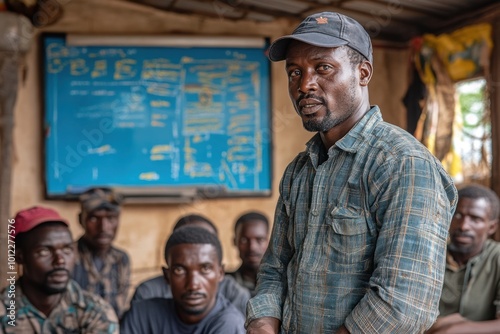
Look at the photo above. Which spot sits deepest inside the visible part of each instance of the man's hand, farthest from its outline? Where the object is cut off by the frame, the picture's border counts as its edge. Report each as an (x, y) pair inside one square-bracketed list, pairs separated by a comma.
[(456, 324), (265, 325), (443, 324)]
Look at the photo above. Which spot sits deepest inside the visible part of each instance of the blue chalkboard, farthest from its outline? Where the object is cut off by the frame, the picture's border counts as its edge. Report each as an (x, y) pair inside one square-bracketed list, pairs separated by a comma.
[(143, 118)]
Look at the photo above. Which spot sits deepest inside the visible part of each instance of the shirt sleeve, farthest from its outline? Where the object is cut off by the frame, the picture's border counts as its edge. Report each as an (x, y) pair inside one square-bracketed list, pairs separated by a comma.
[(272, 277), (413, 206)]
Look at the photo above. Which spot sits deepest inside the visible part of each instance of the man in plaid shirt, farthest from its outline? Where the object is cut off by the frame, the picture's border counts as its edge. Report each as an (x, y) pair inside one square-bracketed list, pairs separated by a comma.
[(359, 237)]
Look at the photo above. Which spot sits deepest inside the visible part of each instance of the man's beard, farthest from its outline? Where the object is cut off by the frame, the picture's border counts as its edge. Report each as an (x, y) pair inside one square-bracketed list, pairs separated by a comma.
[(53, 291), (50, 290), (197, 311), (327, 123), (462, 249)]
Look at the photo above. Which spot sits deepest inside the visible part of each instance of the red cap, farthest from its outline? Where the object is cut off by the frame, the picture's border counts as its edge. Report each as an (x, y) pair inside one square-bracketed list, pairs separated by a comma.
[(28, 219)]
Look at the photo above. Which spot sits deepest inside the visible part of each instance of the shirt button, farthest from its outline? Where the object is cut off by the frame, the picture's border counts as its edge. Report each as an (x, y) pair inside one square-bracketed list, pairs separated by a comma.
[(314, 212)]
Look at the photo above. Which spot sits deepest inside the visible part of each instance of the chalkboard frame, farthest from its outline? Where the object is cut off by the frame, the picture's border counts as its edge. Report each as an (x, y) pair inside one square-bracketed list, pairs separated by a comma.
[(163, 193)]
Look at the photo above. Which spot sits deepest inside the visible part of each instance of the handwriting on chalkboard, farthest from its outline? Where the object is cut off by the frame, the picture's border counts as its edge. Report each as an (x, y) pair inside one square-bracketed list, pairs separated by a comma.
[(174, 117)]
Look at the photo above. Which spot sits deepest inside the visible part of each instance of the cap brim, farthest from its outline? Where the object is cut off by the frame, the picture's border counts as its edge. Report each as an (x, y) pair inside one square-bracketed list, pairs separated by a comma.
[(101, 206), (278, 49), (41, 220)]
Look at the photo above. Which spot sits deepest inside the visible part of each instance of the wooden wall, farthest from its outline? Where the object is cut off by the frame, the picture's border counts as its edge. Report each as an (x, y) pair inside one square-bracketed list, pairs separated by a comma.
[(145, 228)]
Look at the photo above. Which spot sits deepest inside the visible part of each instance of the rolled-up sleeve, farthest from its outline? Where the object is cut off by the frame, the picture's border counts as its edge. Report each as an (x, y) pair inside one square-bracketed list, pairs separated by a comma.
[(414, 203)]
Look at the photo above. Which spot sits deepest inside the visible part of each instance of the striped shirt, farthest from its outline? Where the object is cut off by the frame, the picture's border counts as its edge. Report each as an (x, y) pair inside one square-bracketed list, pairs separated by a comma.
[(359, 238)]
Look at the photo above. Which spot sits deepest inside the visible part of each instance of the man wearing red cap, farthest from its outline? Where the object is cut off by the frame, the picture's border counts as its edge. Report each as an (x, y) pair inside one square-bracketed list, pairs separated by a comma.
[(45, 299), (101, 268)]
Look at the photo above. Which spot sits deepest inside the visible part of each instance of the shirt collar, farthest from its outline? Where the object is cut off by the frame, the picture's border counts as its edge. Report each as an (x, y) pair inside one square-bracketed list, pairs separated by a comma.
[(354, 138), (453, 265), (72, 296), (352, 141)]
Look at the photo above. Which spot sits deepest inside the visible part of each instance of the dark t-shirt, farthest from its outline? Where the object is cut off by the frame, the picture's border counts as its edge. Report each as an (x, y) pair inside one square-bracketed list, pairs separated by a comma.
[(158, 316)]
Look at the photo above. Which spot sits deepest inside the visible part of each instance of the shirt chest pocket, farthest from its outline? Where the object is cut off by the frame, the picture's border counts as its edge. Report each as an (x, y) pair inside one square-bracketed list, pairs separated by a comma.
[(351, 237)]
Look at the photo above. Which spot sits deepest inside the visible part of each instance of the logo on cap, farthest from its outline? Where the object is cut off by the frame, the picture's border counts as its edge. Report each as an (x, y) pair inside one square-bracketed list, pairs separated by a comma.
[(321, 20)]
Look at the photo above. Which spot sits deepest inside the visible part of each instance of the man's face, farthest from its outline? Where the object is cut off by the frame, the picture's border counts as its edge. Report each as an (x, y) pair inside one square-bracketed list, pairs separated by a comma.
[(100, 228), (323, 85), (48, 259), (194, 272), (471, 226), (251, 239)]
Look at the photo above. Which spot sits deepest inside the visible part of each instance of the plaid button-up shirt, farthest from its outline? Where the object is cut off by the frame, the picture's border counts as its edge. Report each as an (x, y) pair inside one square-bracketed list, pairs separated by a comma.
[(359, 238)]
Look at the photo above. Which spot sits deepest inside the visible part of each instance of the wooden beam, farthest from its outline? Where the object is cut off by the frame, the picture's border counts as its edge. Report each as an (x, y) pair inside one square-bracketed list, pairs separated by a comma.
[(482, 14)]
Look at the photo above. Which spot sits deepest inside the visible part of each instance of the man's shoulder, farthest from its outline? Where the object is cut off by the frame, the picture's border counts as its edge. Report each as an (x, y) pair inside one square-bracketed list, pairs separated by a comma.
[(492, 247), (231, 288), (225, 306), (396, 137), (120, 253), (230, 278), (154, 310), (88, 301), (152, 288), (297, 164), (154, 281), (227, 318)]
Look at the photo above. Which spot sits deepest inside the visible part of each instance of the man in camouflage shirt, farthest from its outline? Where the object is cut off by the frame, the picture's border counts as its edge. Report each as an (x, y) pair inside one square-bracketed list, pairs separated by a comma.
[(45, 299), (101, 268)]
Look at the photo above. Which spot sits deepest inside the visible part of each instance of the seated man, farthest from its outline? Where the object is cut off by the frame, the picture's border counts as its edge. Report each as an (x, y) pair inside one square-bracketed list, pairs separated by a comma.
[(228, 287), (101, 268), (194, 260), (251, 236), (470, 302), (45, 299)]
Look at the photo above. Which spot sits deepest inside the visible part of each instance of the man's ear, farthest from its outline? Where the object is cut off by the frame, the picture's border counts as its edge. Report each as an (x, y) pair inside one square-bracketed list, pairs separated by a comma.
[(80, 219), (165, 274), (19, 256), (365, 73), (493, 227)]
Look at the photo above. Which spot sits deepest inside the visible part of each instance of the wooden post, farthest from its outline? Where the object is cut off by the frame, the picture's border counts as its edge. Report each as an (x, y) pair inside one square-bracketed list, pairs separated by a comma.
[(15, 38)]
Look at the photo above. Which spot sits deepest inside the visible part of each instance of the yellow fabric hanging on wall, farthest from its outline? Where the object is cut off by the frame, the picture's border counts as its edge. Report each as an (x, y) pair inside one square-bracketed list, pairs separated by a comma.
[(465, 53)]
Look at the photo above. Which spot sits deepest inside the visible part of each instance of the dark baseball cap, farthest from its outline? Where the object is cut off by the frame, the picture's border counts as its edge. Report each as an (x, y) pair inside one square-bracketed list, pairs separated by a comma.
[(326, 29), (100, 198), (27, 219)]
